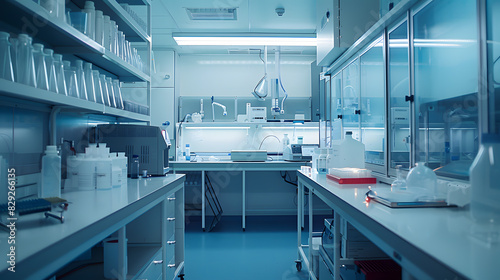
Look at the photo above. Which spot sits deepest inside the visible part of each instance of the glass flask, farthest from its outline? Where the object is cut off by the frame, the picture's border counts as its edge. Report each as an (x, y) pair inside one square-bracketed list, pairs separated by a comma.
[(106, 29), (423, 177), (400, 183), (111, 92), (89, 81), (6, 70), (25, 66), (80, 78), (89, 9), (118, 94), (42, 81), (14, 44), (61, 80), (105, 93), (71, 81), (97, 87), (99, 27), (51, 70)]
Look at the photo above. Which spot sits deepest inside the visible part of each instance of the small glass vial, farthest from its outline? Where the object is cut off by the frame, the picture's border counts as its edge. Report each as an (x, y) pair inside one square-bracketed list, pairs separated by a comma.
[(400, 183), (134, 168)]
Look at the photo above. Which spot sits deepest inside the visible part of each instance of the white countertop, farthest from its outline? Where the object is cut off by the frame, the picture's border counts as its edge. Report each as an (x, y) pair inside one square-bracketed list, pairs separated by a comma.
[(45, 245), (444, 235), (237, 165)]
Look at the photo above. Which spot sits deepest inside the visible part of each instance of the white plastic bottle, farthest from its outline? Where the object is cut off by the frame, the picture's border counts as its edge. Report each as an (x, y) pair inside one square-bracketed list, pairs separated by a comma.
[(188, 152), (122, 163), (484, 179), (51, 173), (286, 146), (351, 152)]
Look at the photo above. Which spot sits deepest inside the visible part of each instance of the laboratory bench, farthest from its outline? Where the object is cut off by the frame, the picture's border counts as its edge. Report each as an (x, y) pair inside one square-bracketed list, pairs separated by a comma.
[(231, 166), (428, 243), (43, 246)]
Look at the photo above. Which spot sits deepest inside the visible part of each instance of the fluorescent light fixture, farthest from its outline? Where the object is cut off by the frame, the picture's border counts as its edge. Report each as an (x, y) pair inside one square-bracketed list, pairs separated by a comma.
[(299, 40), (216, 127)]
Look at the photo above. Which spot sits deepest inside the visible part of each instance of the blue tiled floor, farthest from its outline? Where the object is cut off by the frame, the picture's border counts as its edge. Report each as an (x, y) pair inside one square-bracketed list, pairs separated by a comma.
[(266, 250)]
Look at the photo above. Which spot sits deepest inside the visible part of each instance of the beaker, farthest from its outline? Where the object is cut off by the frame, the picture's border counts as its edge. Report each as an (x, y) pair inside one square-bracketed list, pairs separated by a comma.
[(80, 78), (61, 80), (118, 94), (42, 81), (105, 93), (111, 92), (97, 87), (25, 63), (79, 21), (71, 81), (51, 70), (6, 70), (89, 81)]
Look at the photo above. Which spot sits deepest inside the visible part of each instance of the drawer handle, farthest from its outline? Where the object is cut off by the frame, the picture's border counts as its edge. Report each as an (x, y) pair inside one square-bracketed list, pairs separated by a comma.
[(171, 265), (167, 77), (170, 219), (158, 262), (171, 198), (170, 242)]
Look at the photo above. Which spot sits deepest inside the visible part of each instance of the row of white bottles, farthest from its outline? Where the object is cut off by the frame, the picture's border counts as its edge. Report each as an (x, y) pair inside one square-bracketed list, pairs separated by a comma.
[(97, 168)]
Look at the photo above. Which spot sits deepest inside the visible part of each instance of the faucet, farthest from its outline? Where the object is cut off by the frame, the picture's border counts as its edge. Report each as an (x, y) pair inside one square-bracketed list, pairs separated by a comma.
[(213, 109)]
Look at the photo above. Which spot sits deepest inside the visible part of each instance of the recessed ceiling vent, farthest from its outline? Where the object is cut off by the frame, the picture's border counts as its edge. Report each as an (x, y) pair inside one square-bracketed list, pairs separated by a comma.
[(211, 13)]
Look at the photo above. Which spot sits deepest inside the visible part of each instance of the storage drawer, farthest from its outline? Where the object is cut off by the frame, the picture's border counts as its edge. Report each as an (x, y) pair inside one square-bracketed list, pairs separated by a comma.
[(171, 267), (170, 204), (153, 270), (170, 248)]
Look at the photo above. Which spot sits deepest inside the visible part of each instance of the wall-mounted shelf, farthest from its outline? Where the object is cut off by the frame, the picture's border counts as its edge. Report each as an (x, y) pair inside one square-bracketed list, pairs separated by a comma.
[(36, 22), (133, 32), (24, 92)]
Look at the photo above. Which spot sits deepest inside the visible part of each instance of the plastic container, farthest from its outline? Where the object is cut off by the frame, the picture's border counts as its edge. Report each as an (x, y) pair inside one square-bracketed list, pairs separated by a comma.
[(86, 174), (348, 153), (89, 81), (99, 27), (61, 79), (485, 182), (6, 69), (105, 92), (188, 152), (106, 32), (89, 9), (71, 80), (111, 92), (97, 87), (118, 94), (134, 168), (51, 70), (42, 81), (51, 173), (80, 77), (320, 159), (122, 163), (25, 73), (423, 177)]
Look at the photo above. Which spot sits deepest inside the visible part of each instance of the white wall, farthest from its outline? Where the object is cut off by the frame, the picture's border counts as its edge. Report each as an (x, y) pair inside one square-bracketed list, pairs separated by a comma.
[(237, 75)]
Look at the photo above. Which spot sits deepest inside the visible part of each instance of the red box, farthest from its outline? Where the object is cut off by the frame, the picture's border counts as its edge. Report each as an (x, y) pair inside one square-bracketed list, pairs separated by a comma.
[(369, 180)]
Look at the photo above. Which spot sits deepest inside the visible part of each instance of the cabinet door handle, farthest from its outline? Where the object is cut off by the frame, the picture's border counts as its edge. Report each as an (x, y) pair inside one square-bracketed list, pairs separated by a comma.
[(170, 219), (171, 265), (170, 242), (171, 198), (158, 262), (357, 112), (167, 77), (409, 98), (339, 116)]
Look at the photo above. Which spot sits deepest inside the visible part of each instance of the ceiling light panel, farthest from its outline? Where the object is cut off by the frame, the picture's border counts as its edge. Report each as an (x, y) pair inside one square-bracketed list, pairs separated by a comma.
[(212, 13)]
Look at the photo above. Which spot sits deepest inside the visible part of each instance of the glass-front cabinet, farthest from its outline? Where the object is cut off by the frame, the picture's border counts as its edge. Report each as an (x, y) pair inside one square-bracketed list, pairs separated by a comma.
[(399, 93), (372, 105), (446, 86), (336, 106), (350, 99), (493, 64)]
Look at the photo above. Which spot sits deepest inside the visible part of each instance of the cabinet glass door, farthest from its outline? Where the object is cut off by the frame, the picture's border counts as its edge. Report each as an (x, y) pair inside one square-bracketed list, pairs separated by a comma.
[(445, 83), (336, 106), (493, 41), (373, 103), (399, 87), (350, 96)]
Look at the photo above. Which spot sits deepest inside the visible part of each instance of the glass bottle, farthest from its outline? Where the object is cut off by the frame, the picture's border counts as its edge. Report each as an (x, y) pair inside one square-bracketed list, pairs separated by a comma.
[(89, 9), (105, 93), (99, 27), (118, 94), (112, 36), (400, 183), (6, 70), (61, 80), (89, 81), (71, 80), (111, 92), (80, 78), (25, 61), (42, 81), (106, 29), (14, 44), (97, 87), (51, 70)]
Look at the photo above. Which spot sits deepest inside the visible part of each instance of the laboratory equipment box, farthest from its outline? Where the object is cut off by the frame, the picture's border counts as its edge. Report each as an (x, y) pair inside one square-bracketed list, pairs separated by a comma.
[(147, 142), (248, 155)]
